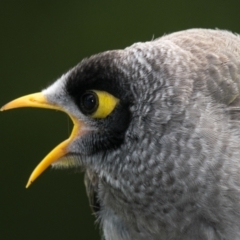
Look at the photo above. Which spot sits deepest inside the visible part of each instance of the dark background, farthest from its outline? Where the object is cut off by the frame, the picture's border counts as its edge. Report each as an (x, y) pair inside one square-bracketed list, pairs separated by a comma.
[(39, 41)]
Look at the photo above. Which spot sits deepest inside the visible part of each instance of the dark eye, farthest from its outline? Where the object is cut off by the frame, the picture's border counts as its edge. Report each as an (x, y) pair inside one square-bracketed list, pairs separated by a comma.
[(89, 102)]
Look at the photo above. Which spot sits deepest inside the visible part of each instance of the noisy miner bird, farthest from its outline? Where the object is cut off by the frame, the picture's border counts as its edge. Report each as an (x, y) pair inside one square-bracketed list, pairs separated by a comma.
[(157, 130)]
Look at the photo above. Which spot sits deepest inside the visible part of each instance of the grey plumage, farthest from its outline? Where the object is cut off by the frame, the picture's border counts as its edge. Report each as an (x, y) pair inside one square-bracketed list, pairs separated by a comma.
[(178, 173), (168, 165)]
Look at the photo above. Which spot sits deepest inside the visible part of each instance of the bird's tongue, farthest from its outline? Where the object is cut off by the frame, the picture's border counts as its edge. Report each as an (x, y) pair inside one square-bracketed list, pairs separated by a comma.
[(38, 100)]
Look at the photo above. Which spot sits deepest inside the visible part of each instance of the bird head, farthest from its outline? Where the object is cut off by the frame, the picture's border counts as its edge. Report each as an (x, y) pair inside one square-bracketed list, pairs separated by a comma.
[(95, 97), (116, 100)]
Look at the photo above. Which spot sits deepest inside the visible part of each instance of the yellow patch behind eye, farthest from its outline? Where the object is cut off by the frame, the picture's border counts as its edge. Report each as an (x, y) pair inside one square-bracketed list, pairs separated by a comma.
[(106, 104)]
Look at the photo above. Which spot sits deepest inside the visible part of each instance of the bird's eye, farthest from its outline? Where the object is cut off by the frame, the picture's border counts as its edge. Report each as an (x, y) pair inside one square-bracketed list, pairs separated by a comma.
[(98, 104), (89, 102)]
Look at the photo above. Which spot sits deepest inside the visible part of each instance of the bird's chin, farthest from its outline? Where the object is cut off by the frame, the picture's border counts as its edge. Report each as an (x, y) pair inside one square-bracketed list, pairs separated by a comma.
[(66, 162)]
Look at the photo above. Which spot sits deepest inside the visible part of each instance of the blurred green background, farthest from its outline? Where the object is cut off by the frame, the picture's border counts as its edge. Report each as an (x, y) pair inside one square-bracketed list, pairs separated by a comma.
[(40, 40)]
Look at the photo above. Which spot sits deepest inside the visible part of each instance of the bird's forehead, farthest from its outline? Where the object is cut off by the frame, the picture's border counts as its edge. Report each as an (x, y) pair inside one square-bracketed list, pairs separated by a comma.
[(86, 72), (57, 86), (112, 71), (105, 71)]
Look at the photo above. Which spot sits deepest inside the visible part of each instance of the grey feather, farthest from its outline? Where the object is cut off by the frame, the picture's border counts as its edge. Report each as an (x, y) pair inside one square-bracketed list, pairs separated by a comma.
[(177, 173)]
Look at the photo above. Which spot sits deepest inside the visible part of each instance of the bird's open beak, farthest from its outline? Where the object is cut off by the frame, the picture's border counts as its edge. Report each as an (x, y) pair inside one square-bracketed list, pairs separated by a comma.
[(38, 100)]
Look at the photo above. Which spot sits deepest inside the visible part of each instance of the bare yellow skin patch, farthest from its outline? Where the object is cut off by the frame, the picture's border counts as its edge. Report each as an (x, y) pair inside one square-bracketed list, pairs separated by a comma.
[(106, 104)]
